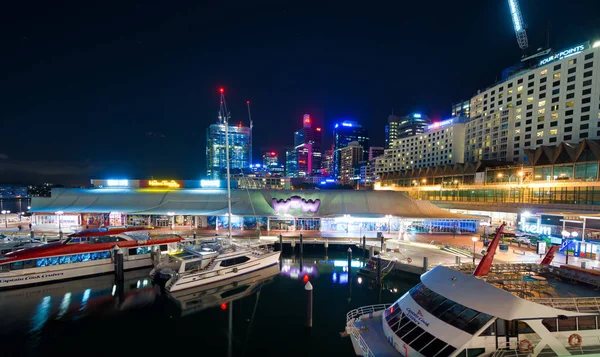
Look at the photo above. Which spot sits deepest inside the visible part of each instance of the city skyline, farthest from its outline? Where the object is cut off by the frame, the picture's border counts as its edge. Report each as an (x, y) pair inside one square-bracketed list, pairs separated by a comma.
[(125, 79)]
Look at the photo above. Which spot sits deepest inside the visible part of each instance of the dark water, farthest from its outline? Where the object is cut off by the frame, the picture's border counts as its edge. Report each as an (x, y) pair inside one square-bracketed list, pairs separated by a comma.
[(96, 317)]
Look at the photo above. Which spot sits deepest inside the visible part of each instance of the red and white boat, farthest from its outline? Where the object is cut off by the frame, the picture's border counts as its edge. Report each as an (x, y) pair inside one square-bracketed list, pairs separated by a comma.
[(84, 254)]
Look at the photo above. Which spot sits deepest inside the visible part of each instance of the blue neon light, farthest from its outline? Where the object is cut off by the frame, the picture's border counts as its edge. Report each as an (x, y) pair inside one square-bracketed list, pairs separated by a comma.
[(347, 124), (336, 125), (417, 115)]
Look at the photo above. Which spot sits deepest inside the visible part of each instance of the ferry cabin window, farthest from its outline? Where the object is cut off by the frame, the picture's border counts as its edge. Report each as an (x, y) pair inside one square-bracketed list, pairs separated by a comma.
[(467, 319), (16, 265), (550, 324), (73, 258), (568, 324), (192, 265), (234, 261), (586, 323), (140, 250), (4, 267), (163, 248)]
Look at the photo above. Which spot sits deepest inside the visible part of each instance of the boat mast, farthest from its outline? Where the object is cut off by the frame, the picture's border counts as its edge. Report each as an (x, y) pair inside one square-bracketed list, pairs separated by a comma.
[(224, 114)]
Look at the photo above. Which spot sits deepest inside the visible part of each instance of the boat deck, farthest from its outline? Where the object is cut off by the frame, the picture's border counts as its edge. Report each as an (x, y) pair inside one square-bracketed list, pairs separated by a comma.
[(371, 330)]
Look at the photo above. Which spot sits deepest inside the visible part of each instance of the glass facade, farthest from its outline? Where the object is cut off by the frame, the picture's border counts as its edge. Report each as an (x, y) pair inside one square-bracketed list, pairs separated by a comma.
[(452, 313), (414, 336), (239, 150)]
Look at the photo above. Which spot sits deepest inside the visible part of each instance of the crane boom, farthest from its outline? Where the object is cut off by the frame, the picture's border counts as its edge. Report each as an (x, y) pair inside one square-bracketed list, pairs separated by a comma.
[(515, 13)]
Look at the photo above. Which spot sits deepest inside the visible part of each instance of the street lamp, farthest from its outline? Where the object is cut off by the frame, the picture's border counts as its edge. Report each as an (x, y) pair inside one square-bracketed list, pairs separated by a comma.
[(5, 212), (500, 175), (59, 213), (520, 174), (424, 181), (474, 239)]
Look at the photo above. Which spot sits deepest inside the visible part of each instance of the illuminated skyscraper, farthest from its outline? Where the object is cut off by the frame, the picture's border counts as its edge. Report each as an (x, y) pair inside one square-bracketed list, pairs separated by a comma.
[(239, 149), (307, 147), (344, 133)]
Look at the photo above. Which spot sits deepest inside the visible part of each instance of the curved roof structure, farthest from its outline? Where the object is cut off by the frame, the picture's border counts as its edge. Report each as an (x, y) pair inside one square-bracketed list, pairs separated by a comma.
[(207, 202)]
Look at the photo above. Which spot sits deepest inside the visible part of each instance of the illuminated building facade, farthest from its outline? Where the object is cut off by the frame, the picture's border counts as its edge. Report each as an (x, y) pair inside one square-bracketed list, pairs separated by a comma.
[(239, 150), (555, 100), (307, 147), (350, 156), (442, 143), (462, 109), (343, 134)]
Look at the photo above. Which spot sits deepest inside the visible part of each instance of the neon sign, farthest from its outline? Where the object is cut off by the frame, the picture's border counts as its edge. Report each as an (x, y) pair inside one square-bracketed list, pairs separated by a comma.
[(440, 124), (537, 229), (347, 124), (417, 115), (117, 183), (563, 54), (296, 202), (210, 183), (163, 183)]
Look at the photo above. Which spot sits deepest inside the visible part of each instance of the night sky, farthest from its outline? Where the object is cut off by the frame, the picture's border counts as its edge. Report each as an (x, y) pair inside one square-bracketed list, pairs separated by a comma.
[(114, 88)]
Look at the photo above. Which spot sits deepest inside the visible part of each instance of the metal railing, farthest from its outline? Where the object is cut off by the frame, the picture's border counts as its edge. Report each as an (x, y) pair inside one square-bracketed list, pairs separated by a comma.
[(513, 348), (354, 331)]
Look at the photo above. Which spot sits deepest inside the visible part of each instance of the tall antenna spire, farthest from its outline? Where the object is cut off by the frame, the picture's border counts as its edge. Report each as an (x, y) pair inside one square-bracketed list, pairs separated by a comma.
[(250, 138)]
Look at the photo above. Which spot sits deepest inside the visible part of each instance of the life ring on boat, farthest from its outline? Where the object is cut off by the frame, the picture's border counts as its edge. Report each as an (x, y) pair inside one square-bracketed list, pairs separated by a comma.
[(235, 270), (409, 260), (525, 346), (575, 340)]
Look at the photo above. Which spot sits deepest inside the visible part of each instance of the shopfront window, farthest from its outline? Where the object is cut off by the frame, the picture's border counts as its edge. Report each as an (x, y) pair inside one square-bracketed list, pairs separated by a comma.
[(542, 173), (564, 172), (587, 172)]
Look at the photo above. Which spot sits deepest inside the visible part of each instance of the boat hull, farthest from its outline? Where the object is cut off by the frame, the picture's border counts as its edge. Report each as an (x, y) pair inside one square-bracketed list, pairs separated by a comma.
[(55, 273), (203, 278)]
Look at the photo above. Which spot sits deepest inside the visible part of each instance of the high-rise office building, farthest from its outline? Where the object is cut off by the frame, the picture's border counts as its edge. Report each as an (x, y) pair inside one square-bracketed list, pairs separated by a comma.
[(461, 109), (327, 163), (391, 129), (239, 150), (291, 163), (350, 156), (375, 151), (269, 158), (556, 100), (402, 127), (344, 133), (307, 144)]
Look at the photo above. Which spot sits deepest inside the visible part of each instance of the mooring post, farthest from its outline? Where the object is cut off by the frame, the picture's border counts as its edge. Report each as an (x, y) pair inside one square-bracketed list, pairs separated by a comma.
[(349, 264), (31, 234), (118, 253), (426, 264), (280, 242), (309, 304), (195, 236), (301, 245), (371, 252), (379, 269), (364, 243)]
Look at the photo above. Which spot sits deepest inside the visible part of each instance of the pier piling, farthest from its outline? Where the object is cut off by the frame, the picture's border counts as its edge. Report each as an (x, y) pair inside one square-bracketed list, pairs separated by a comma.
[(301, 245), (280, 242), (119, 271), (349, 264), (31, 234), (426, 264), (326, 244), (195, 236), (379, 268), (371, 252), (309, 304)]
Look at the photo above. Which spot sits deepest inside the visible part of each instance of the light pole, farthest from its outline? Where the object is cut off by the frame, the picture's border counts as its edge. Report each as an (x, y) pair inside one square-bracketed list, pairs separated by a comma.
[(474, 239), (520, 174), (59, 213), (500, 175), (5, 212)]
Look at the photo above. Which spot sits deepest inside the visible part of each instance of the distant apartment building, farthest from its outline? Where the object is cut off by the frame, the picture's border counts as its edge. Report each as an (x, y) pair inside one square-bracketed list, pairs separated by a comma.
[(461, 109), (343, 134), (375, 151), (350, 156), (442, 143), (307, 147)]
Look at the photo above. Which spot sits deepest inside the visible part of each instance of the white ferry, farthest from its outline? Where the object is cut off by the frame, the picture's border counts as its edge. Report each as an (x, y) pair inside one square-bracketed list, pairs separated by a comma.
[(206, 263), (83, 254), (500, 310)]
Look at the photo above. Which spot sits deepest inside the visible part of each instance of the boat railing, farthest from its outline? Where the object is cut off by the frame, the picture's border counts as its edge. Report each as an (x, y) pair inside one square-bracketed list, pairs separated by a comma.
[(515, 348), (354, 332)]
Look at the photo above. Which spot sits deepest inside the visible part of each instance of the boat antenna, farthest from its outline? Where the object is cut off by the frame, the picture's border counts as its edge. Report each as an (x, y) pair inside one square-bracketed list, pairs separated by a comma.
[(250, 198), (225, 116), (486, 262)]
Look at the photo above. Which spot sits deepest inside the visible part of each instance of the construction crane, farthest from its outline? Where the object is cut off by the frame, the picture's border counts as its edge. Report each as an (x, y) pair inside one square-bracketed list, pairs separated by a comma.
[(250, 139), (515, 13)]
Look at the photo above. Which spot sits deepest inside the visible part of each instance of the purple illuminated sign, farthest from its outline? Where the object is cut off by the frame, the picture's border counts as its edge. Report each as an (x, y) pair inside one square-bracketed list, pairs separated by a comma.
[(296, 202)]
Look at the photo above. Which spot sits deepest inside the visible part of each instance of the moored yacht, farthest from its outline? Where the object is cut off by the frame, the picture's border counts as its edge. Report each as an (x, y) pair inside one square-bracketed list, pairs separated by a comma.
[(82, 254), (9, 244), (209, 262), (501, 310)]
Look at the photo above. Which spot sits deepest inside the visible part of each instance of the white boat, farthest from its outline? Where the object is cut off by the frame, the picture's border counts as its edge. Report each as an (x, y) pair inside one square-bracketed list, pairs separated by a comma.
[(502, 310), (9, 244), (206, 263), (83, 254)]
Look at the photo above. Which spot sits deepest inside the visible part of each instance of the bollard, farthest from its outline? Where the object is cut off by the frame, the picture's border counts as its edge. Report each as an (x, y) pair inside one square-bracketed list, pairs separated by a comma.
[(60, 235), (195, 236), (364, 243), (326, 244), (371, 252), (457, 260), (309, 304), (426, 264), (43, 238), (280, 242), (118, 253), (301, 245), (31, 234), (349, 264)]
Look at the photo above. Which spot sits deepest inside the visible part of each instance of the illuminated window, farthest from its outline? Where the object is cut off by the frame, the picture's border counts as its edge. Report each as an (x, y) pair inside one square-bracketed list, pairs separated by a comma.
[(570, 104), (530, 100), (510, 91), (540, 134), (554, 115), (554, 107), (518, 110), (556, 75), (517, 131), (544, 72), (541, 103), (518, 117), (553, 131), (541, 111), (540, 118), (519, 88)]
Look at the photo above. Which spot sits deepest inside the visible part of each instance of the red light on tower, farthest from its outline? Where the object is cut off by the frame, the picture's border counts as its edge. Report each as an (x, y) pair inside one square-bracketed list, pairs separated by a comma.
[(318, 129), (224, 306), (247, 102), (272, 154), (221, 90)]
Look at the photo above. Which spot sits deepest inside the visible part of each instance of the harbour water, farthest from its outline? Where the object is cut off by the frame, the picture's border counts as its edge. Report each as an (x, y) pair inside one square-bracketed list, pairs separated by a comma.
[(264, 314)]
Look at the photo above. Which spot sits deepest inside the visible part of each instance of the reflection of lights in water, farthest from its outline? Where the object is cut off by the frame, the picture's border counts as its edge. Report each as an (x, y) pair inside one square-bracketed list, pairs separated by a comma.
[(344, 263), (395, 290), (305, 278), (114, 290), (334, 277), (145, 282), (339, 278), (295, 273), (41, 314), (64, 305), (86, 296), (359, 280), (138, 284), (344, 278)]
